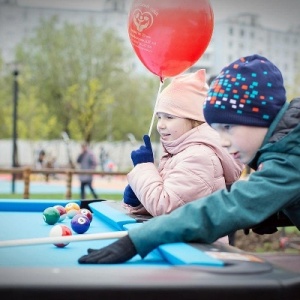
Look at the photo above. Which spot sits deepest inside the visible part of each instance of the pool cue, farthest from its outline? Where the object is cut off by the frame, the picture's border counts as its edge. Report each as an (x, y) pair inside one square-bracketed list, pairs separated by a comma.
[(63, 239)]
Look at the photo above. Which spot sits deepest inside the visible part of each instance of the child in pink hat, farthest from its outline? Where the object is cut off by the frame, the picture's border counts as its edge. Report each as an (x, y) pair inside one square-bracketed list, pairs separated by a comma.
[(193, 164)]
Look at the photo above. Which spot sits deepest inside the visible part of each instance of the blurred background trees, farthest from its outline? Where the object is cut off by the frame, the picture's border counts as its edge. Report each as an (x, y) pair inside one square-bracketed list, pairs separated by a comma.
[(77, 79)]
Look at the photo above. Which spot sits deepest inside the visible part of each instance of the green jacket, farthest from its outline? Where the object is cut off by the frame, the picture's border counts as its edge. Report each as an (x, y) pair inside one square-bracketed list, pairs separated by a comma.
[(273, 187)]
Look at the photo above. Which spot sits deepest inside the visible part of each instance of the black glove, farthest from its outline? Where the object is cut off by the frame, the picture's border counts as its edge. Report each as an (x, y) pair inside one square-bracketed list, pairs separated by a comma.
[(144, 154), (264, 229), (130, 198), (246, 231), (270, 225), (117, 252)]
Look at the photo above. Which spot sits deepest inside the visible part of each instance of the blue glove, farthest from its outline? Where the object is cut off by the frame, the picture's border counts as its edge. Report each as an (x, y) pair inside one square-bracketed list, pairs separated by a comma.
[(130, 198), (144, 154)]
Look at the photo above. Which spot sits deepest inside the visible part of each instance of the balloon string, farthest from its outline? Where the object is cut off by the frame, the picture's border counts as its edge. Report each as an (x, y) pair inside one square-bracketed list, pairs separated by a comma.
[(153, 116)]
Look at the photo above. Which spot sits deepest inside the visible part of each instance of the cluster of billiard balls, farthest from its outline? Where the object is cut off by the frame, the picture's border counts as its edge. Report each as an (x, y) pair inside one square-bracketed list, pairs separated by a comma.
[(81, 219)]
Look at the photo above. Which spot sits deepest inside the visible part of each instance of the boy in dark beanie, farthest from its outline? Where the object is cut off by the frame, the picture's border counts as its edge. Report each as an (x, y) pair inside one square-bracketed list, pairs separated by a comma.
[(247, 105)]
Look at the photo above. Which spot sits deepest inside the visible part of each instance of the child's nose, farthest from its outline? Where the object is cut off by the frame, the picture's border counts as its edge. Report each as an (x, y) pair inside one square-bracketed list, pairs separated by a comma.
[(225, 142), (161, 124)]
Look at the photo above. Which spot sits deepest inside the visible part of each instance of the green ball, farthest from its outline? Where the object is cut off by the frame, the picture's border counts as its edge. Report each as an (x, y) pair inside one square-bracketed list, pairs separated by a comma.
[(51, 215)]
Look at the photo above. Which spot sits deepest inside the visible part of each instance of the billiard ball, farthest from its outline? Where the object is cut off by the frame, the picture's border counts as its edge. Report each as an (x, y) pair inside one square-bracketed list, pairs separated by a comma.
[(60, 230), (72, 212), (80, 223), (62, 212), (72, 209), (87, 213), (51, 215)]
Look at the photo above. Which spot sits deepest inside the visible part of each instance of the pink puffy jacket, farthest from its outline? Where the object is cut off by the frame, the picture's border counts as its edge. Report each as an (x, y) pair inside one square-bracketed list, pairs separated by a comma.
[(193, 166)]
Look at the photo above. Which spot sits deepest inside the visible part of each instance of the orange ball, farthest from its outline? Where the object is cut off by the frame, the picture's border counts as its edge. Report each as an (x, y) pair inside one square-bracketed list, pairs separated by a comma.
[(72, 209)]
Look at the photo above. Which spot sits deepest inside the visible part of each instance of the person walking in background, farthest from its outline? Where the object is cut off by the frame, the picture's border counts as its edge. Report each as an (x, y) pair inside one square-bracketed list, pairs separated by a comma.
[(87, 161), (40, 163), (103, 158)]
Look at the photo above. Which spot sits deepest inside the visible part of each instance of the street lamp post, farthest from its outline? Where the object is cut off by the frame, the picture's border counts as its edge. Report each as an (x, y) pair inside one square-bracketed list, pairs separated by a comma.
[(15, 130)]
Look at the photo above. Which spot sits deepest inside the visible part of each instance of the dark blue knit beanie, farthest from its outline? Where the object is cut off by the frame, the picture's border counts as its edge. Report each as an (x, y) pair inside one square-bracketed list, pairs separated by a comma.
[(249, 91)]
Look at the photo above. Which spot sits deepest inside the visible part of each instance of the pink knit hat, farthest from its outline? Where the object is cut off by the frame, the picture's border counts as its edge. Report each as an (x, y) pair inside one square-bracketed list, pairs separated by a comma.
[(184, 96)]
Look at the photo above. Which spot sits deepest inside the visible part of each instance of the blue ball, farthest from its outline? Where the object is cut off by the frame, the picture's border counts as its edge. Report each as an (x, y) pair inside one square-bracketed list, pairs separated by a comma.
[(80, 223)]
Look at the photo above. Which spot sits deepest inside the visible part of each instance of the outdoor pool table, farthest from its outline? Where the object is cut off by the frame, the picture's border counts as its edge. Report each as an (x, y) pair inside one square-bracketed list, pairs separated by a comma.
[(188, 271)]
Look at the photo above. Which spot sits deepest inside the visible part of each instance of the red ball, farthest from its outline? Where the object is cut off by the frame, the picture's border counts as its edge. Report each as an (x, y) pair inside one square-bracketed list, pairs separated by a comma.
[(80, 223), (60, 230), (87, 213), (62, 212)]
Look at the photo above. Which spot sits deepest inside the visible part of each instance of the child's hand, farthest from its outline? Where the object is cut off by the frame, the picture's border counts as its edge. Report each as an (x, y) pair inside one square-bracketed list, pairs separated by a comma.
[(144, 154), (130, 198), (117, 252)]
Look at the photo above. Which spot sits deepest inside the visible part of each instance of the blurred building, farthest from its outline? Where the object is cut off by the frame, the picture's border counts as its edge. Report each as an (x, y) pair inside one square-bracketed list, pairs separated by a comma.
[(18, 18), (233, 37), (243, 35)]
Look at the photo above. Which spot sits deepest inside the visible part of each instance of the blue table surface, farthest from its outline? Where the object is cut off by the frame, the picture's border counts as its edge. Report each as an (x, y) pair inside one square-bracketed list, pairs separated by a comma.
[(193, 271), (23, 219)]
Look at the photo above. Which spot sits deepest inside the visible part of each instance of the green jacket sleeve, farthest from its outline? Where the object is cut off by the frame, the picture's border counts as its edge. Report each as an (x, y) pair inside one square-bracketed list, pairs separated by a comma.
[(249, 202)]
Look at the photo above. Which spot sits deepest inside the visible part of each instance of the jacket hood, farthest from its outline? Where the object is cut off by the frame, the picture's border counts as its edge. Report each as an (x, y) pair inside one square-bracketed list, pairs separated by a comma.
[(282, 136), (206, 136)]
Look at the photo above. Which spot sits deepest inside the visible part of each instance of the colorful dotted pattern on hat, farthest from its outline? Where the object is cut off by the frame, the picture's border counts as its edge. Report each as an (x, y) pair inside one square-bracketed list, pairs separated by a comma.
[(240, 92)]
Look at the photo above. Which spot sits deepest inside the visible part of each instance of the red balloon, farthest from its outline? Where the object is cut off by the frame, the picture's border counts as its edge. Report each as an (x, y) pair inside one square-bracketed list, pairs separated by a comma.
[(169, 36)]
